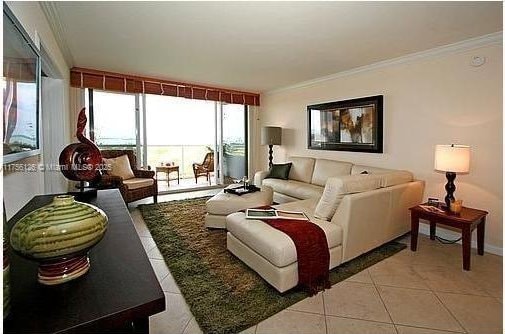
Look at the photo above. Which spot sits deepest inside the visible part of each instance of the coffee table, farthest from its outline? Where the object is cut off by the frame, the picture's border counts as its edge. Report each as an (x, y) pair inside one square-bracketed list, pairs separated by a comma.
[(168, 170), (118, 294)]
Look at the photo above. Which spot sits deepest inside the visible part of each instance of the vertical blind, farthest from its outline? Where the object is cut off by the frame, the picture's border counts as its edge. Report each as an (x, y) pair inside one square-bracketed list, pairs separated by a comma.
[(117, 82)]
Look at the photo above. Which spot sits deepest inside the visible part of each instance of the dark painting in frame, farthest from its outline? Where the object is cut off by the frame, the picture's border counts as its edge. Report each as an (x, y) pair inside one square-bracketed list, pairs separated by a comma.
[(350, 125)]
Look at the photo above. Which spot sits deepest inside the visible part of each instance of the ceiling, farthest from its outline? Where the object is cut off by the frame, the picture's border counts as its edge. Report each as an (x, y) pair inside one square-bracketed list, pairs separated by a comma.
[(258, 46)]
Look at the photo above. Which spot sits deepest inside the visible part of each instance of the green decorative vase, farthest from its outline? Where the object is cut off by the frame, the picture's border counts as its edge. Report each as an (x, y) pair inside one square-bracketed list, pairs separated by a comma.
[(59, 236)]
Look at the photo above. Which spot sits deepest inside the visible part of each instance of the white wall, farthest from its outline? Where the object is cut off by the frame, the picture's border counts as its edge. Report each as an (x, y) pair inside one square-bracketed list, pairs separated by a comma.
[(437, 99), (19, 187)]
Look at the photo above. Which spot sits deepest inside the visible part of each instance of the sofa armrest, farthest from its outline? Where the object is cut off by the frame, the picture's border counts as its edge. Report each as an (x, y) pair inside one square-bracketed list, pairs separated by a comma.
[(259, 177), (372, 218), (110, 181), (362, 217), (145, 174)]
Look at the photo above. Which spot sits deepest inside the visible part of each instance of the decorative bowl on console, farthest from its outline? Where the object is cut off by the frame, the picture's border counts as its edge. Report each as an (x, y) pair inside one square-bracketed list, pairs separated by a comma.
[(59, 236)]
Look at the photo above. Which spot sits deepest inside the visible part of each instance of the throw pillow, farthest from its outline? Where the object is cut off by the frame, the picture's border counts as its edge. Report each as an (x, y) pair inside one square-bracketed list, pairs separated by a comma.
[(120, 166), (337, 187), (279, 171)]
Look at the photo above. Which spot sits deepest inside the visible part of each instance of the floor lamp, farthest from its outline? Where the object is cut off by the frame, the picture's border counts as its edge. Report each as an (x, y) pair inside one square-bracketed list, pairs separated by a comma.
[(271, 135)]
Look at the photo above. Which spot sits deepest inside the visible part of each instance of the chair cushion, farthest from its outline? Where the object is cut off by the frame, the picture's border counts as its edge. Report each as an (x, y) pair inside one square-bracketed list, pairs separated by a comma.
[(136, 183), (324, 169), (337, 187), (390, 177), (274, 245), (120, 166), (294, 189), (279, 171), (302, 169)]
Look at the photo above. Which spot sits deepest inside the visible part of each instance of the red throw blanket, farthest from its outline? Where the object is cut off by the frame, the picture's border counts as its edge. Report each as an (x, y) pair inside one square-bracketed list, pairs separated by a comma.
[(312, 252)]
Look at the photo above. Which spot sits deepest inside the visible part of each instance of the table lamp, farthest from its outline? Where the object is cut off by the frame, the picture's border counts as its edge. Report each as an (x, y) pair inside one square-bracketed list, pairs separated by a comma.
[(271, 135), (452, 159)]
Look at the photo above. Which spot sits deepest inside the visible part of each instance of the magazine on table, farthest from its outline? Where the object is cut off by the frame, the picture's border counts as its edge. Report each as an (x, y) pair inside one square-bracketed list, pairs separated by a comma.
[(274, 214)]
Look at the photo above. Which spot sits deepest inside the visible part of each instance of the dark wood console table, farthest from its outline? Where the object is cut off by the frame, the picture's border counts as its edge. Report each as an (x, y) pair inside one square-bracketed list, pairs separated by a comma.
[(117, 295)]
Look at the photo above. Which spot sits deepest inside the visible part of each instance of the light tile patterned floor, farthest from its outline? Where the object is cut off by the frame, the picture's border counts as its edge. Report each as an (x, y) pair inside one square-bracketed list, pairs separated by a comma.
[(423, 292)]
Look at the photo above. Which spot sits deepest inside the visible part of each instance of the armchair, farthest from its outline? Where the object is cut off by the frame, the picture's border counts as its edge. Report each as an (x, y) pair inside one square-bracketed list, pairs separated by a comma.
[(142, 185), (205, 168)]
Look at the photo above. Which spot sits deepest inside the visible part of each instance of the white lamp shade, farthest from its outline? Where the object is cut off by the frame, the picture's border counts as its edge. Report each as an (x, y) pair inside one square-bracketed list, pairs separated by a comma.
[(271, 135), (452, 158)]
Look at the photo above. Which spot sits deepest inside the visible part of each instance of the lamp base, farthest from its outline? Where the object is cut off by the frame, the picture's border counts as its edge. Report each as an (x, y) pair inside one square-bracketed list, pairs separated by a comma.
[(270, 156), (450, 188)]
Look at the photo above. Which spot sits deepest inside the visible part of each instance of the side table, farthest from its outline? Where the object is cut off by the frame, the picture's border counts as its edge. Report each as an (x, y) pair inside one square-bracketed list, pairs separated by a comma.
[(168, 170), (467, 220)]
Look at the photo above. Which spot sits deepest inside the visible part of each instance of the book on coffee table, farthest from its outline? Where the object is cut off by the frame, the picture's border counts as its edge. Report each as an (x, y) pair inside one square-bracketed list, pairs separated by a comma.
[(274, 214)]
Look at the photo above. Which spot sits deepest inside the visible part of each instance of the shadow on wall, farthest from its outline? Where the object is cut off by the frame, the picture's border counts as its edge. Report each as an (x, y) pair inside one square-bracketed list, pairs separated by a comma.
[(288, 144)]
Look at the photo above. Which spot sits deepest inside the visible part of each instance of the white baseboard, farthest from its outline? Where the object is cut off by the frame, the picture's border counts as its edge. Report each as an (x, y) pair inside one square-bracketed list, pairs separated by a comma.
[(451, 235)]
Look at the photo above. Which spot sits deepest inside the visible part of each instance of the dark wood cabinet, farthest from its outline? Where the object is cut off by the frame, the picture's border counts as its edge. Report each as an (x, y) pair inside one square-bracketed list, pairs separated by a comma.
[(117, 295)]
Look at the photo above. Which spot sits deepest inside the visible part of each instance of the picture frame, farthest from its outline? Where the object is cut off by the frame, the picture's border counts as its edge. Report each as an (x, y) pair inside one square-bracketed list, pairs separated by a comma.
[(354, 125)]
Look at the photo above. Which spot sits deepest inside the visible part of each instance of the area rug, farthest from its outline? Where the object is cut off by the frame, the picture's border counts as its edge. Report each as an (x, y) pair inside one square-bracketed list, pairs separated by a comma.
[(224, 295)]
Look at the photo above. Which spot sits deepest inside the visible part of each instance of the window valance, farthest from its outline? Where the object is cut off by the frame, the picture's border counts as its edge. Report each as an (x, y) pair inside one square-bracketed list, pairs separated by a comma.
[(109, 81)]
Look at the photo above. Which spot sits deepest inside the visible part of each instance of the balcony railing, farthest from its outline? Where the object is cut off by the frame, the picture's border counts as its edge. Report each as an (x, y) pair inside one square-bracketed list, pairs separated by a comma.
[(181, 155), (185, 155)]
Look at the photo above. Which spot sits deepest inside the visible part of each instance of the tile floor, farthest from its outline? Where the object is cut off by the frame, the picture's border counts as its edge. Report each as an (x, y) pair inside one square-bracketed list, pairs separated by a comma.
[(425, 292)]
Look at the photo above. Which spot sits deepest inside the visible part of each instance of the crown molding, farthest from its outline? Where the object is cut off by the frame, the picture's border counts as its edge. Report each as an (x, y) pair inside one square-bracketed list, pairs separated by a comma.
[(468, 44), (53, 18)]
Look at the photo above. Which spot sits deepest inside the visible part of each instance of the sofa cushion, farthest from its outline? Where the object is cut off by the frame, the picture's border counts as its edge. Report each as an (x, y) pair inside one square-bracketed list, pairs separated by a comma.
[(272, 244), (323, 169), (120, 166), (390, 177), (302, 169), (337, 187), (294, 189), (136, 183), (279, 171)]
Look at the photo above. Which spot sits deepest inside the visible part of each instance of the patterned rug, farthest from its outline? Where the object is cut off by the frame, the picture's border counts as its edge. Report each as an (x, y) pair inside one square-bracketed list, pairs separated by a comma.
[(225, 295)]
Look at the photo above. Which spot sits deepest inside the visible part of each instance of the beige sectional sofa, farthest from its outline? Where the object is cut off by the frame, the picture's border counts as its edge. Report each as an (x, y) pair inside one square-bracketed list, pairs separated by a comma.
[(357, 212), (308, 176)]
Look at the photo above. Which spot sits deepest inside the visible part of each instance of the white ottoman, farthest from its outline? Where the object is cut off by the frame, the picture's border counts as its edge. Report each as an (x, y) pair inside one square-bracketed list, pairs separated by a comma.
[(222, 204)]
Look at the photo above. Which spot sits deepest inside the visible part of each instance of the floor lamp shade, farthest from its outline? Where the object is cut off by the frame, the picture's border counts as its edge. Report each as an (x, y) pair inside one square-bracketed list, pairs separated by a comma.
[(452, 159), (271, 135)]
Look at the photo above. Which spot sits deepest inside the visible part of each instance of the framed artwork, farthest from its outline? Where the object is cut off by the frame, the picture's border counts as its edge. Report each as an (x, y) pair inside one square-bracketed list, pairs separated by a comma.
[(350, 125)]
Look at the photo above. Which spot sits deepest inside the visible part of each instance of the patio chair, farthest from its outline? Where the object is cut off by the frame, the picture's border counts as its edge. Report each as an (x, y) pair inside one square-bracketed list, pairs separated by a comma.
[(205, 168)]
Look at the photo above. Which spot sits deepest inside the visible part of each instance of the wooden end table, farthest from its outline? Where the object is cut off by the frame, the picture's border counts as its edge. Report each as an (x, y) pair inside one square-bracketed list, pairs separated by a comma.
[(168, 170), (467, 220)]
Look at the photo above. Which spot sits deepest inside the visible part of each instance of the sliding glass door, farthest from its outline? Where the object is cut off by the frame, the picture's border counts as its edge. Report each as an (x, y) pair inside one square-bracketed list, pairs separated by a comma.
[(234, 142), (111, 120), (179, 131), (166, 130)]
